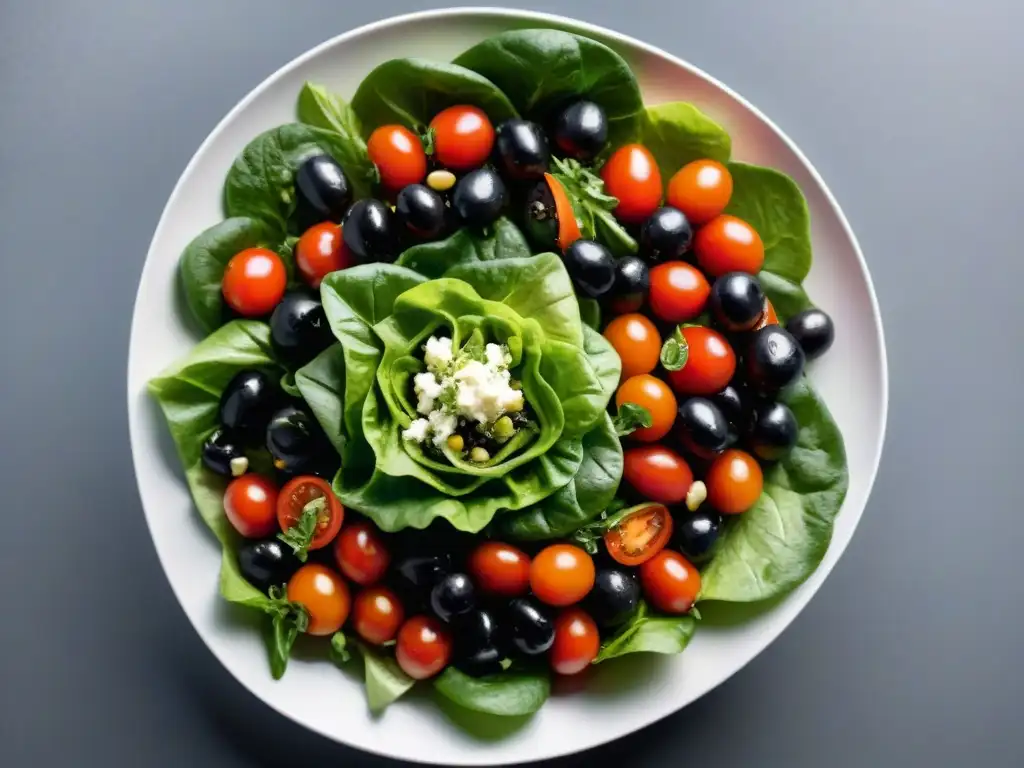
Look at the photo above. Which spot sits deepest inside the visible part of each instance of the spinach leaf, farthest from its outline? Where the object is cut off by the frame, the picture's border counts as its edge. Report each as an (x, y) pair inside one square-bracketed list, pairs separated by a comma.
[(544, 70), (412, 91), (385, 680), (590, 313), (506, 694), (503, 240), (322, 109), (649, 634), (321, 383), (787, 297), (774, 547), (677, 133)]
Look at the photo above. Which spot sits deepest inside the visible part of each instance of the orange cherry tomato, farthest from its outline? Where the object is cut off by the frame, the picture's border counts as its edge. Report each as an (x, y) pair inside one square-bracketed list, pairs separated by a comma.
[(398, 154), (727, 244), (670, 582), (321, 251), (710, 363), (500, 569), (463, 137), (636, 341), (701, 190), (679, 291), (361, 553), (323, 594), (734, 482), (657, 473), (653, 394), (250, 503), (632, 175), (639, 537), (577, 642), (254, 282), (377, 614), (296, 494), (568, 227), (561, 574), (768, 317), (424, 647)]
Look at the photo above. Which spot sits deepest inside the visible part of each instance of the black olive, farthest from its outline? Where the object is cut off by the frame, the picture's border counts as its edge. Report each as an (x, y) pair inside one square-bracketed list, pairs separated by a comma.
[(540, 217), (695, 533), (219, 451), (479, 197), (322, 192), (631, 285), (773, 432), (531, 630), (415, 575), (266, 564), (421, 210), (734, 404), (369, 232), (521, 149), (453, 596), (247, 403), (582, 130), (702, 428), (295, 440), (591, 267), (299, 329), (813, 331), (614, 598), (666, 235), (774, 359), (477, 651), (737, 301)]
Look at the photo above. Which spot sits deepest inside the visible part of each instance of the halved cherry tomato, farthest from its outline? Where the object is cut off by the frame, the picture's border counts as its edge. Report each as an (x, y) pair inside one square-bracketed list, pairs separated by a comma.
[(639, 537), (653, 394), (296, 494), (568, 227), (321, 251), (768, 317), (254, 282), (636, 341), (424, 647), (500, 569), (734, 482), (324, 595), (710, 363), (631, 174), (577, 642), (727, 244), (398, 154), (361, 553), (679, 291), (463, 137), (657, 473), (377, 614), (561, 574), (250, 502), (701, 190), (670, 582)]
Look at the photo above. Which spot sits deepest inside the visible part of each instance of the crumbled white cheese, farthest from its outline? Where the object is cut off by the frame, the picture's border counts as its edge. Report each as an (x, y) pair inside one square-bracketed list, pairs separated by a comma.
[(428, 389), (437, 353), (417, 431), (484, 392), (496, 357), (442, 425)]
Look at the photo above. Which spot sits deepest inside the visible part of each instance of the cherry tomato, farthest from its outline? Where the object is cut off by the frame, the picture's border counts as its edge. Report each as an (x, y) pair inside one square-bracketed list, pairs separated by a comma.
[(463, 137), (701, 190), (568, 227), (576, 642), (250, 502), (670, 582), (727, 244), (296, 494), (398, 154), (653, 394), (641, 536), (768, 317), (424, 647), (710, 363), (323, 594), (636, 341), (254, 282), (679, 291), (500, 569), (734, 482), (632, 175), (361, 553), (657, 473), (561, 574), (377, 614), (321, 251)]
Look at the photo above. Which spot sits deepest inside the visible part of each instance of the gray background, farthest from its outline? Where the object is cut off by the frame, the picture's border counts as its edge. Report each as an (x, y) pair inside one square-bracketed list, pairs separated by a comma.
[(912, 110)]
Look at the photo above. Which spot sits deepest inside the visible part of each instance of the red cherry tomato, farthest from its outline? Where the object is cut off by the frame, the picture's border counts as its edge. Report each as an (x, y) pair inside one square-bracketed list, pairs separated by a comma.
[(636, 341), (296, 494), (254, 282), (361, 553), (500, 569), (653, 394), (657, 473), (250, 504), (561, 574), (321, 251), (568, 227), (727, 244), (632, 175), (734, 482), (424, 647), (463, 137), (710, 363), (679, 291), (670, 582), (377, 614), (701, 190), (323, 594), (398, 154), (639, 537), (576, 642)]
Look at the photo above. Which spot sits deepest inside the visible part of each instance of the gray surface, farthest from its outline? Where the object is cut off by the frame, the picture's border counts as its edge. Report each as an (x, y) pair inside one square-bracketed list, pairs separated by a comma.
[(910, 653)]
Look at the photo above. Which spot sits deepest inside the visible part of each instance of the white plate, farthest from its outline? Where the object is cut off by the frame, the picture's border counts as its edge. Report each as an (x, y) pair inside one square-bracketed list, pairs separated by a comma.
[(622, 696)]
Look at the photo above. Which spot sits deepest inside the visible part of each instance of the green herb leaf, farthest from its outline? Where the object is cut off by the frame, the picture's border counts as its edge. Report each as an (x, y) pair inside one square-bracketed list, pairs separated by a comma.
[(675, 351), (339, 649), (587, 536), (632, 417), (300, 535), (288, 620)]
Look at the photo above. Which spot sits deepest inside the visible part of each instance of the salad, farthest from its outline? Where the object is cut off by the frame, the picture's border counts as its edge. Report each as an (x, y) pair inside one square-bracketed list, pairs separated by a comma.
[(502, 374)]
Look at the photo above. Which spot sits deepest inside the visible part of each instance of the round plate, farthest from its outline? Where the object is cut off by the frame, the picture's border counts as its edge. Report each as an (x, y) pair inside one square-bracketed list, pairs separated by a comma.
[(620, 697)]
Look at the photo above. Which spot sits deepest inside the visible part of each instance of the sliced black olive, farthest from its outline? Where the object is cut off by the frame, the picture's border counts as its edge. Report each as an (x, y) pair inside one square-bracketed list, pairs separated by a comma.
[(298, 328), (591, 267), (773, 432), (695, 533), (582, 130), (631, 285), (266, 564), (540, 217), (480, 197), (295, 440), (322, 192), (813, 331), (415, 575), (734, 404), (774, 360), (454, 595), (522, 150), (531, 630), (477, 649), (614, 598), (369, 232), (219, 451), (666, 235), (247, 403), (702, 428), (421, 211), (737, 301)]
